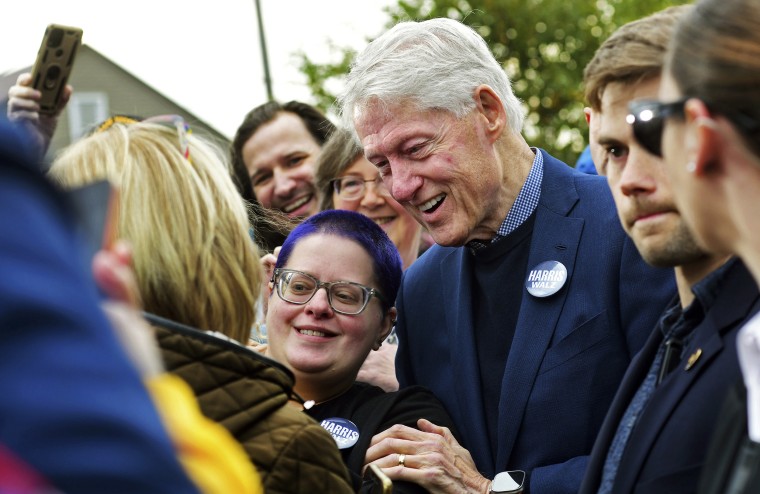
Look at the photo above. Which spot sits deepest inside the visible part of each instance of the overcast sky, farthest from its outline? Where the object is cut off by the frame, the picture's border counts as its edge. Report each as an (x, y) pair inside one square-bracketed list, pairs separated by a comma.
[(205, 55)]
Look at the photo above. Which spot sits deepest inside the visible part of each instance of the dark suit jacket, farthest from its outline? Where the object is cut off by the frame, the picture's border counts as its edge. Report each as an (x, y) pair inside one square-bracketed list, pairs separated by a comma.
[(732, 455), (570, 350), (667, 448)]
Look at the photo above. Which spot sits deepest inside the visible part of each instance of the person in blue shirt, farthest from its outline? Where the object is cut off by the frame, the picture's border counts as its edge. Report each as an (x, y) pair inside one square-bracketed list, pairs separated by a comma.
[(585, 164), (73, 406)]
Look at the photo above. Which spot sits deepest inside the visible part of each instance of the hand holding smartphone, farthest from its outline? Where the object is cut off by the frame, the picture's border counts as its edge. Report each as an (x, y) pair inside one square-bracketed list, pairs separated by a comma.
[(55, 60)]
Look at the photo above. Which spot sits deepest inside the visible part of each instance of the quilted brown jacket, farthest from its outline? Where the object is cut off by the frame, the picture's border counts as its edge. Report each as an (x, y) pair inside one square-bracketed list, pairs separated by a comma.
[(248, 394)]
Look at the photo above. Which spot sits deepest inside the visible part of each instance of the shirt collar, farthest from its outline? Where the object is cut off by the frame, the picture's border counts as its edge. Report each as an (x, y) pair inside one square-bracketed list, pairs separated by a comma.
[(705, 292), (707, 289), (524, 205)]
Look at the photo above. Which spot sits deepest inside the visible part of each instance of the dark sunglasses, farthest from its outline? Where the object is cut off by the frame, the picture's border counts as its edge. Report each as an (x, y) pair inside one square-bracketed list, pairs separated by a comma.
[(647, 117)]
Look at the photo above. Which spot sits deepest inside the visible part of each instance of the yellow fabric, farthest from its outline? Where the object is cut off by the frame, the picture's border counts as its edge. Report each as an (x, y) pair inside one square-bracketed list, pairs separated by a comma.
[(213, 459)]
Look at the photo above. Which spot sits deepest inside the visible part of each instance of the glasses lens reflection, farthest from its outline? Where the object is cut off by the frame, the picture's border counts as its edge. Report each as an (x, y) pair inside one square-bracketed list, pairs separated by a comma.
[(648, 121), (344, 297)]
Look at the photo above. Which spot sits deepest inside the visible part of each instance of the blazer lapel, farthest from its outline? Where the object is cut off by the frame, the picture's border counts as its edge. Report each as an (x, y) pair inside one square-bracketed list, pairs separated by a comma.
[(733, 305), (655, 415), (555, 238)]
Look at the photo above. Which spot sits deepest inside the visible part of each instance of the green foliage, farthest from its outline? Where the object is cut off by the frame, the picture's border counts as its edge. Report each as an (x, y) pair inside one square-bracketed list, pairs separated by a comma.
[(543, 46)]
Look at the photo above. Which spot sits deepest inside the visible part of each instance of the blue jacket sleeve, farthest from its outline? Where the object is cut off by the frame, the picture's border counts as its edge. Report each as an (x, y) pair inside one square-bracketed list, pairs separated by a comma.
[(72, 406)]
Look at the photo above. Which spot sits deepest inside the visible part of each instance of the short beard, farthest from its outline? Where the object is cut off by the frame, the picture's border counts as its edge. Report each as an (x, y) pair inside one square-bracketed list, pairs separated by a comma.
[(681, 249)]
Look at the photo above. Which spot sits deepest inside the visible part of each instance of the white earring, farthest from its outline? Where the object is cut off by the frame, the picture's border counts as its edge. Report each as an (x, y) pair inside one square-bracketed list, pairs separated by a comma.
[(691, 167)]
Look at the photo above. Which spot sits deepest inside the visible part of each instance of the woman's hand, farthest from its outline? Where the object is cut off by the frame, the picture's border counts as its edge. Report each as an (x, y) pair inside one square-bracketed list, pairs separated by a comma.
[(432, 458), (379, 368), (268, 262)]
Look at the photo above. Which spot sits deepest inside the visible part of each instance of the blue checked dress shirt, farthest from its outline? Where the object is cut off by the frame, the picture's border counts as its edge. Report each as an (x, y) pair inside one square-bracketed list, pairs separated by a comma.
[(524, 205)]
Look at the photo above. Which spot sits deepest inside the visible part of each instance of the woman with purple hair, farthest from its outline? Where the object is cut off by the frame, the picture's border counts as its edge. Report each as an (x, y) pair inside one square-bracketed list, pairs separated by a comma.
[(324, 336)]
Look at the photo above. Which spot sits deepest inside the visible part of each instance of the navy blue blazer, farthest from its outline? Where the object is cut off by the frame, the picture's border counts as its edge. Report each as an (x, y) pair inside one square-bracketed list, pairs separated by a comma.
[(731, 453), (668, 447), (570, 350)]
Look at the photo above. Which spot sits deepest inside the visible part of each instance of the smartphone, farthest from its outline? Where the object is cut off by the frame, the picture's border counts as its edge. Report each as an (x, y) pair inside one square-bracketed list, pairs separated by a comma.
[(96, 209), (511, 482), (55, 60), (380, 482)]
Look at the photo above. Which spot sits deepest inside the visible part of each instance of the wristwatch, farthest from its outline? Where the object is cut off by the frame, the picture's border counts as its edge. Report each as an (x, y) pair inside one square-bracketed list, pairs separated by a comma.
[(509, 482)]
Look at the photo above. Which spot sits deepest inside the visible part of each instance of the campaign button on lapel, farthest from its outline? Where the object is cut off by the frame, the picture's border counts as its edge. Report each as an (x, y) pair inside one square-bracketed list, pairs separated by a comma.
[(342, 430), (546, 279)]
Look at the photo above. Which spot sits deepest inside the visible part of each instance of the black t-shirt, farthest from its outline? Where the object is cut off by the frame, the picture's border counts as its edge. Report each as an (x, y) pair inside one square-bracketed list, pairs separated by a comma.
[(373, 410)]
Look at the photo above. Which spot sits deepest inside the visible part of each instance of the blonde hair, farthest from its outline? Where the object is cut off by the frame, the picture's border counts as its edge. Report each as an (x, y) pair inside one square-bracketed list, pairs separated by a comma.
[(194, 260)]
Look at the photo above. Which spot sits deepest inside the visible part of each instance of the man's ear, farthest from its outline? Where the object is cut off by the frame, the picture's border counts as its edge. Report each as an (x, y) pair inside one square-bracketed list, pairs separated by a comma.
[(702, 139), (490, 106)]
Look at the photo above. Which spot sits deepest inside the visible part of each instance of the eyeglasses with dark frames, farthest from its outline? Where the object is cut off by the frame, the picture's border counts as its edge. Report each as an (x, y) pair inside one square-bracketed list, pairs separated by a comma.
[(345, 297), (353, 187)]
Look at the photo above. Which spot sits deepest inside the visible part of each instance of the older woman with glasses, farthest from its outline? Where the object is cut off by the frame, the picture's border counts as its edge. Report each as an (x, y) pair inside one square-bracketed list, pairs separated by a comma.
[(706, 126), (346, 180), (332, 297)]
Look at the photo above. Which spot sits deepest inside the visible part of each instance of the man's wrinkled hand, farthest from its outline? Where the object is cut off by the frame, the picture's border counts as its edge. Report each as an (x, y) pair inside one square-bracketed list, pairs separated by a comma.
[(432, 458)]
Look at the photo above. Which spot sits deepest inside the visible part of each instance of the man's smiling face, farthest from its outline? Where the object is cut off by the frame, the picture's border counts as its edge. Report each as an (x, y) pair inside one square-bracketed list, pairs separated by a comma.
[(442, 169), (280, 159)]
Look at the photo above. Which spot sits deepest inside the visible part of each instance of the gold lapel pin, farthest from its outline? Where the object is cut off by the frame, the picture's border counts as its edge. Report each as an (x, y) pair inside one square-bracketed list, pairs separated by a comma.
[(693, 359)]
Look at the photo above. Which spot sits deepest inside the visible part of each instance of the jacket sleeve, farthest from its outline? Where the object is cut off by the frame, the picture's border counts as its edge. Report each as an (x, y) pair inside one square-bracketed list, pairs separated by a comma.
[(72, 406), (308, 463), (403, 363), (215, 461)]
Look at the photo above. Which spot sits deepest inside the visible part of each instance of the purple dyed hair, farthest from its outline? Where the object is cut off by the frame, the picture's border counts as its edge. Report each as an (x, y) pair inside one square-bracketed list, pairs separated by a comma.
[(386, 262)]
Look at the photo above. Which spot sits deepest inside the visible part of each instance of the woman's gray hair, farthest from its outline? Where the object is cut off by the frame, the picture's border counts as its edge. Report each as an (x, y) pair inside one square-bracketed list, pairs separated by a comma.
[(435, 64)]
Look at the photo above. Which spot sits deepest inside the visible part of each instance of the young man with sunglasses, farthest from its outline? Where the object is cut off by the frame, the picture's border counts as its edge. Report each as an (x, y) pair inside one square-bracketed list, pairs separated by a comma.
[(655, 436)]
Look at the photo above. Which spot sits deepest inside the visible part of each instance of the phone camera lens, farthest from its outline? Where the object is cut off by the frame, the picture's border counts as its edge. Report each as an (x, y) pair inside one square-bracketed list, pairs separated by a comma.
[(51, 77), (55, 39)]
